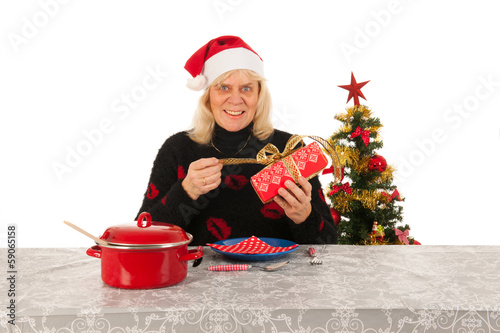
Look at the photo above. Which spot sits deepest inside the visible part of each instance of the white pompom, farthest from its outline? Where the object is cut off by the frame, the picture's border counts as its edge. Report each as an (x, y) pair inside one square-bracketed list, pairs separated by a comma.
[(197, 83)]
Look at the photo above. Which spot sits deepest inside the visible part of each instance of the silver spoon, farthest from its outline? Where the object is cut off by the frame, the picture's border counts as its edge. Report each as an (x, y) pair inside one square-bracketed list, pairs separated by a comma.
[(245, 267)]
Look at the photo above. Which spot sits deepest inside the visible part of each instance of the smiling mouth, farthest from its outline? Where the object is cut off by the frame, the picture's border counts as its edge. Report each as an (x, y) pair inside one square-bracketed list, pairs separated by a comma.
[(234, 113)]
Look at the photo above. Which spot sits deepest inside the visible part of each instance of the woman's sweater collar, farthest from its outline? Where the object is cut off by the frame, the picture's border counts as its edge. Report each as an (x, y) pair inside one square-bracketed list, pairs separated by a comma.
[(230, 142)]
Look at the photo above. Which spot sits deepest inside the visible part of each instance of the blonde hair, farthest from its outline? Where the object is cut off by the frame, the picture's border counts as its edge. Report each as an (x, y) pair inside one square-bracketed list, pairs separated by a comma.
[(203, 119)]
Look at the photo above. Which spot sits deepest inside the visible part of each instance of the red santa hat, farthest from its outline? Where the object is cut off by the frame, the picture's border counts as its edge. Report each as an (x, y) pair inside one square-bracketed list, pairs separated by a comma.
[(218, 56)]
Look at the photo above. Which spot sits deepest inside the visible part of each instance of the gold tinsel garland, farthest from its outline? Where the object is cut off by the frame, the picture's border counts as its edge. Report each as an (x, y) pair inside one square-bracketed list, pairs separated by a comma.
[(387, 175), (366, 113), (341, 203), (362, 166), (369, 199), (347, 155), (344, 128)]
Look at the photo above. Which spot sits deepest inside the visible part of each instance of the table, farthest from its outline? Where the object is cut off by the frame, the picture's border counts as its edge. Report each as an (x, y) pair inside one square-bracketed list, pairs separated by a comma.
[(356, 289)]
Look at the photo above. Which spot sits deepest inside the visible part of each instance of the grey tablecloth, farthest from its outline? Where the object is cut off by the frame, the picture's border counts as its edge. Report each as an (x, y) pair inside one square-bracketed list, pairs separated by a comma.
[(357, 289)]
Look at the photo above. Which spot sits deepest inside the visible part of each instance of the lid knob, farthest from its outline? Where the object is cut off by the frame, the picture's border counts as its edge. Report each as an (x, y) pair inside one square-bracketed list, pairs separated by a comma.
[(140, 220)]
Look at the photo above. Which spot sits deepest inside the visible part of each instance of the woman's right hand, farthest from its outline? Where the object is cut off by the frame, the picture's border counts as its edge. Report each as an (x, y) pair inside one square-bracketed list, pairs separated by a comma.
[(203, 176)]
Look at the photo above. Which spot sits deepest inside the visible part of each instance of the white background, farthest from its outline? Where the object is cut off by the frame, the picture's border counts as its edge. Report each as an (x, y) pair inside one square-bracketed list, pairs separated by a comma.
[(67, 67)]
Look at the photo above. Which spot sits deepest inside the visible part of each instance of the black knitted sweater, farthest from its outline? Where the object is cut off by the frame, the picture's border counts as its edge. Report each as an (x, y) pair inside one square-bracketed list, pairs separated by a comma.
[(233, 209)]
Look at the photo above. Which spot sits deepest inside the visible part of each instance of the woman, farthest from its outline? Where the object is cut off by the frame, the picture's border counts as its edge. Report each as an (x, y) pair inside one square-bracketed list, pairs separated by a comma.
[(189, 187)]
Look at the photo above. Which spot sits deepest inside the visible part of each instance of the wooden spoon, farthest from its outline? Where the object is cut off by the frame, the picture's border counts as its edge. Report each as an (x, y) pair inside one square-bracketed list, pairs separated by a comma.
[(97, 240)]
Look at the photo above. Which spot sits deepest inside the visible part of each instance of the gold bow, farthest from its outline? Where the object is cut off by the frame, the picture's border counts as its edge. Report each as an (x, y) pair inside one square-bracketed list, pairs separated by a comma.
[(271, 154), (274, 153)]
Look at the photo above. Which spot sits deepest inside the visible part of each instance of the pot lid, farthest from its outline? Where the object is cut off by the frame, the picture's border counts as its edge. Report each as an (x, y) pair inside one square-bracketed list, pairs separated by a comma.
[(144, 233)]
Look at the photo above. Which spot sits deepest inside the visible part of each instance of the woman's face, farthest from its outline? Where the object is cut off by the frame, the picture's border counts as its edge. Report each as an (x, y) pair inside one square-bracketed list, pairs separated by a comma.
[(234, 101)]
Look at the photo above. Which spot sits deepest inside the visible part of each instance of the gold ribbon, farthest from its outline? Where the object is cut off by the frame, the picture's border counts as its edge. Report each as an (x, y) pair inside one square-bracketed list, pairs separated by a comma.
[(292, 168), (271, 154)]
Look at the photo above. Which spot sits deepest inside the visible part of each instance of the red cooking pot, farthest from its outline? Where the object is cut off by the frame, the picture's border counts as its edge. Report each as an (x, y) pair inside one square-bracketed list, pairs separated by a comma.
[(144, 255)]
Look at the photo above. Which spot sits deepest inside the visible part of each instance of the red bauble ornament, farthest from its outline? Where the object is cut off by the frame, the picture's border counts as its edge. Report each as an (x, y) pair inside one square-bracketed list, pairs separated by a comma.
[(378, 163), (335, 215)]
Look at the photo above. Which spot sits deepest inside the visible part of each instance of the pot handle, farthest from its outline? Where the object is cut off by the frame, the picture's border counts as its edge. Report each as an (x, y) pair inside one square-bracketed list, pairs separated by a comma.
[(94, 251), (192, 254), (140, 220)]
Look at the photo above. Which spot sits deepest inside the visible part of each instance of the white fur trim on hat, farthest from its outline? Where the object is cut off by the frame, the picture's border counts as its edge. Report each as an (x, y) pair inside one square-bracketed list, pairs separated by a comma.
[(197, 83), (235, 58)]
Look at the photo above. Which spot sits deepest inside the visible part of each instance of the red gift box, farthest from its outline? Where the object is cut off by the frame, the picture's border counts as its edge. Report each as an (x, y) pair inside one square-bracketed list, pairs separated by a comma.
[(307, 162)]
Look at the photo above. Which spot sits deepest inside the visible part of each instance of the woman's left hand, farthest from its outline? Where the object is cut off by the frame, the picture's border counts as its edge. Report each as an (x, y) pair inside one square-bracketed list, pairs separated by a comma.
[(295, 200)]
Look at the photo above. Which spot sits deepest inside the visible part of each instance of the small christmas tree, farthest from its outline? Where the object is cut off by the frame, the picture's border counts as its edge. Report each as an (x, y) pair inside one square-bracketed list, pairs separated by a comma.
[(365, 203)]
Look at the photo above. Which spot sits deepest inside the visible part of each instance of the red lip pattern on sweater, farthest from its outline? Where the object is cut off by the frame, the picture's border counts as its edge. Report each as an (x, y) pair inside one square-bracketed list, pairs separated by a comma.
[(272, 210), (181, 174), (235, 182), (218, 228), (152, 191)]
